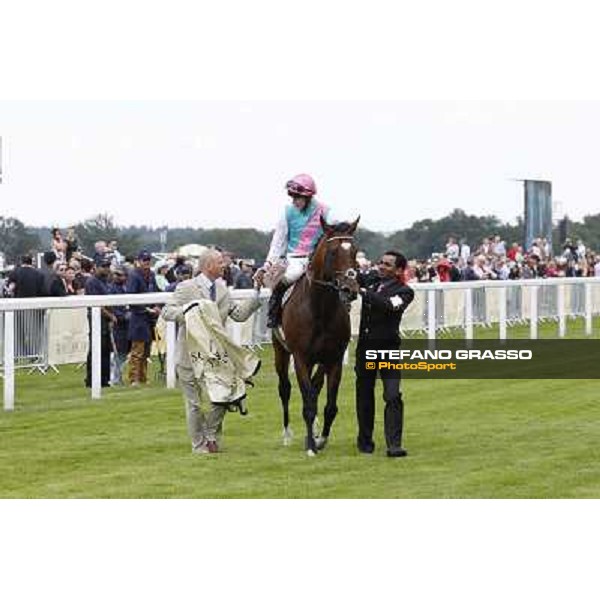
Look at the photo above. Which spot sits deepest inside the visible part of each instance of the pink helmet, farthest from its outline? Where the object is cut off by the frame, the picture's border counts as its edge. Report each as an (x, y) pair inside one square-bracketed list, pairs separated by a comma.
[(302, 185)]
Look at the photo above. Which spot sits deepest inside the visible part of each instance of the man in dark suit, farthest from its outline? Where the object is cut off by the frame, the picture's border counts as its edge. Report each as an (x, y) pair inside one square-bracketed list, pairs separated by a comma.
[(27, 282), (385, 297), (53, 283), (120, 330), (97, 285)]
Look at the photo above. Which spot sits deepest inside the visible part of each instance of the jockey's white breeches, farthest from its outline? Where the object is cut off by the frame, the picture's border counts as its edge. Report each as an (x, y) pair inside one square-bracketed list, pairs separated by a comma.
[(296, 266)]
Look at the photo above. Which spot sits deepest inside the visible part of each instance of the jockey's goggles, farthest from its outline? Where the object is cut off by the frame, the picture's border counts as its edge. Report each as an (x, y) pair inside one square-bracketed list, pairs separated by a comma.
[(296, 188)]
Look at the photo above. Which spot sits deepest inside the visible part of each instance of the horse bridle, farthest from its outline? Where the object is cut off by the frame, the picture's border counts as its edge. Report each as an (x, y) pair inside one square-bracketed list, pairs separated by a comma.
[(348, 273)]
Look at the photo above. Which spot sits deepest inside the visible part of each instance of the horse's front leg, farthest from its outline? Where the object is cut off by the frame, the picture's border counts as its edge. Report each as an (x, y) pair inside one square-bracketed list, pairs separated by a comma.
[(284, 387), (309, 402), (334, 377), (317, 380)]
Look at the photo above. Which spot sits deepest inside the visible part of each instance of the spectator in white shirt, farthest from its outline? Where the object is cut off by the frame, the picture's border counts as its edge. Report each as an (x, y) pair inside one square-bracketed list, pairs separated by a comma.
[(113, 250), (535, 250), (452, 249), (465, 250), (499, 246), (546, 247)]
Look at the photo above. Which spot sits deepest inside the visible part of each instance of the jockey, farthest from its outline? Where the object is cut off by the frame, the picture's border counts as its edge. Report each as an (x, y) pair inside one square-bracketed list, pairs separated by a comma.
[(296, 236)]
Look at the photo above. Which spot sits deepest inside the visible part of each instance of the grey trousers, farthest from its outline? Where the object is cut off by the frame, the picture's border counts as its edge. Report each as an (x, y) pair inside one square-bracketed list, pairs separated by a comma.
[(204, 419)]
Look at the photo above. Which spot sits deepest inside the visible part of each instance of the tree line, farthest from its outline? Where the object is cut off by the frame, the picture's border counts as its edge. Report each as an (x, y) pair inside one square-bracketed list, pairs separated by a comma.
[(417, 241)]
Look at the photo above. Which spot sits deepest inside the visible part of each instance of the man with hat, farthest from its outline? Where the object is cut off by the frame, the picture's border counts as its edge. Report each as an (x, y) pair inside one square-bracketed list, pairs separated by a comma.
[(97, 285), (141, 280)]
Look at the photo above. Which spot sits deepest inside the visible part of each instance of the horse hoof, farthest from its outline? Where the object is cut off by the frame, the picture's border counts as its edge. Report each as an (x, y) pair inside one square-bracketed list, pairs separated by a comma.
[(311, 447), (321, 442)]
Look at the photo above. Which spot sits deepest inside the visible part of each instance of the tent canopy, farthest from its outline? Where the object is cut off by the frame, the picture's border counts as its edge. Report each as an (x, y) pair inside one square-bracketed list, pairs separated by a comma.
[(191, 250)]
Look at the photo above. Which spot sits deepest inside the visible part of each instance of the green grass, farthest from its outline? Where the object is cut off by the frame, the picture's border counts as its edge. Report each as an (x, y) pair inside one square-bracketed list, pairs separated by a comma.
[(466, 439)]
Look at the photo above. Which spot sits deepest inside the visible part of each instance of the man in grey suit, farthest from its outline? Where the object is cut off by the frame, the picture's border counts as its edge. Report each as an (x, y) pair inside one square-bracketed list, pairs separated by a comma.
[(203, 422)]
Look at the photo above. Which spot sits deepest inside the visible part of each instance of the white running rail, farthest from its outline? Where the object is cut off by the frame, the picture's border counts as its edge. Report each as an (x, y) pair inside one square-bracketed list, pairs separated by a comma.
[(437, 306)]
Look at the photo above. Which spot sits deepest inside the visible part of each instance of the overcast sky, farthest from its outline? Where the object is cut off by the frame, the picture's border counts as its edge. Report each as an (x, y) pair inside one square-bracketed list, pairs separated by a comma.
[(224, 164)]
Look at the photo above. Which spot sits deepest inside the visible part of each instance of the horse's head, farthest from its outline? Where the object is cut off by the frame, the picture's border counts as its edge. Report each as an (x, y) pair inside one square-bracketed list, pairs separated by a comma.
[(334, 260)]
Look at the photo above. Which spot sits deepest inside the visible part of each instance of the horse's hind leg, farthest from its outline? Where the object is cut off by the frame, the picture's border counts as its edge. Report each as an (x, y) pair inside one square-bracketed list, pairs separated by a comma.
[(334, 377), (282, 363)]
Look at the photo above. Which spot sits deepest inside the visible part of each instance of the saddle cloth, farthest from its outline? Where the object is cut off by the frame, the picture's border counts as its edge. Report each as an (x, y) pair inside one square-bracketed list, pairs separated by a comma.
[(220, 366)]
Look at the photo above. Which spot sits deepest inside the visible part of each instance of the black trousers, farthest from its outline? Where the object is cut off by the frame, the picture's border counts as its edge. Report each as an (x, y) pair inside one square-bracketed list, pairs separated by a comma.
[(105, 349), (393, 416)]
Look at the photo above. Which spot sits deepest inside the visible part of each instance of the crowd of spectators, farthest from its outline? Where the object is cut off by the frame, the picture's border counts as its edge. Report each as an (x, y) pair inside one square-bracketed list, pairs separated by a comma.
[(495, 259), (127, 332), (64, 268)]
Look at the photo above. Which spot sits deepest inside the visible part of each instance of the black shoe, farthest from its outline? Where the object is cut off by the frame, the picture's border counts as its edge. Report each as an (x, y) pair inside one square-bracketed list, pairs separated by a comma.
[(213, 447), (397, 452), (367, 448)]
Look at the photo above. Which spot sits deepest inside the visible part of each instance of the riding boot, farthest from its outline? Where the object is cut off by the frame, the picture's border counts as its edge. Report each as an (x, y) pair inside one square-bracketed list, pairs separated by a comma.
[(275, 309)]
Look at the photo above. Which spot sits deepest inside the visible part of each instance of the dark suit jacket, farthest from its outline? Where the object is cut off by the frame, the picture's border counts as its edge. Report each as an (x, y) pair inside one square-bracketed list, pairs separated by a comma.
[(141, 323), (383, 304)]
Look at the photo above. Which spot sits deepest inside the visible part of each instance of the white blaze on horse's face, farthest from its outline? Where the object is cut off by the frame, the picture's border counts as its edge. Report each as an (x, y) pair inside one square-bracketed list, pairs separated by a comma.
[(346, 245)]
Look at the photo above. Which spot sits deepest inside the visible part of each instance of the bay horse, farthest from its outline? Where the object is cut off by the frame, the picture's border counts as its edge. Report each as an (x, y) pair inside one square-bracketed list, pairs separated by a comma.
[(316, 330)]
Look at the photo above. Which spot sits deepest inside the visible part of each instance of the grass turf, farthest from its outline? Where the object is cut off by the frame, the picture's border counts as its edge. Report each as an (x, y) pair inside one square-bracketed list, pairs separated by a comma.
[(466, 439)]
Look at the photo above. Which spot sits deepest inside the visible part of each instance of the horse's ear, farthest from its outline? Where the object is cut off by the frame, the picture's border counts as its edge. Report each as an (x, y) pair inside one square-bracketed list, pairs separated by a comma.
[(324, 223), (353, 226)]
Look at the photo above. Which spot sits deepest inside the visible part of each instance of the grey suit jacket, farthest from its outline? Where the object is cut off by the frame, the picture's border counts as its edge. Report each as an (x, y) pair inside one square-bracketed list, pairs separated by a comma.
[(197, 289)]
